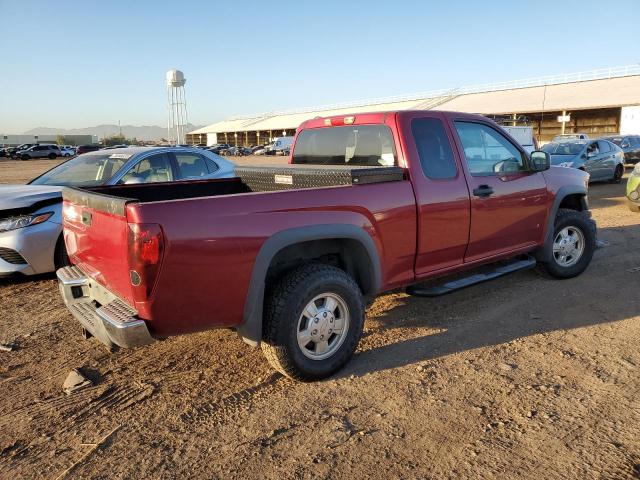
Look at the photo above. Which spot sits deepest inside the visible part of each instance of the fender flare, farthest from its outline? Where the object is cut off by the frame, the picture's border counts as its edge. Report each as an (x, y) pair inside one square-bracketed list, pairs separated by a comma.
[(544, 253), (251, 328)]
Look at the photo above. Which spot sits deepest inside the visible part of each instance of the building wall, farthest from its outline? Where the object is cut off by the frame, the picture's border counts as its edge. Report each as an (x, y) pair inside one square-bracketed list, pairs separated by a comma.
[(630, 120), (14, 140)]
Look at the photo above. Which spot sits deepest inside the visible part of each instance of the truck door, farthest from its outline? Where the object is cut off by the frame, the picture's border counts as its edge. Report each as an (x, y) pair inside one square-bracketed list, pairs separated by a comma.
[(508, 202), (441, 192)]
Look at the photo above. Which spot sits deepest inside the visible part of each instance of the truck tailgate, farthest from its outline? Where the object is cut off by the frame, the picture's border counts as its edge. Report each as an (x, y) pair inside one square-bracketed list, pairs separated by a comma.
[(96, 232)]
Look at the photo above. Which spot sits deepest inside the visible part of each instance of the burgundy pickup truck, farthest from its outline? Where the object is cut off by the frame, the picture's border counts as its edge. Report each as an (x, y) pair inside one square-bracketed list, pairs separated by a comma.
[(287, 255)]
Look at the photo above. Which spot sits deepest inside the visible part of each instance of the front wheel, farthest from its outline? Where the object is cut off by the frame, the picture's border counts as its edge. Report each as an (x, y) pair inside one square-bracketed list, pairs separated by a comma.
[(314, 318), (574, 241), (25, 157)]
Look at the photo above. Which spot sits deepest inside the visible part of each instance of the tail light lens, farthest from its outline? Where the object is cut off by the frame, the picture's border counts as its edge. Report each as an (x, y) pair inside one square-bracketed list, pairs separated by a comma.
[(146, 246)]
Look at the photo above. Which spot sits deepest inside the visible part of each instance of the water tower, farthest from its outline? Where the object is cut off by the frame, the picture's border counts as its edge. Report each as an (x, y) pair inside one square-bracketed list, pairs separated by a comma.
[(177, 107)]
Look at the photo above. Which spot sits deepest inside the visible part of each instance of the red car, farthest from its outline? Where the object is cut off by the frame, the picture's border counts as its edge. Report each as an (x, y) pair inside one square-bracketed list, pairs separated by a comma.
[(287, 255)]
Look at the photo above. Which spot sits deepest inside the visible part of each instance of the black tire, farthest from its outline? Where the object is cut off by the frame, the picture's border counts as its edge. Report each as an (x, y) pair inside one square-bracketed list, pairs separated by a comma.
[(618, 174), (60, 256), (577, 220), (284, 305), (25, 157), (53, 156)]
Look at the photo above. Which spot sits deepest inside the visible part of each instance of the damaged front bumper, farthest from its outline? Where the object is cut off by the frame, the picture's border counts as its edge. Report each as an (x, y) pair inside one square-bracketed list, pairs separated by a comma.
[(101, 313)]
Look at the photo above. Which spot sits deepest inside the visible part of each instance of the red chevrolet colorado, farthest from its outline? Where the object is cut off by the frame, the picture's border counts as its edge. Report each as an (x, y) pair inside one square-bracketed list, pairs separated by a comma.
[(287, 255)]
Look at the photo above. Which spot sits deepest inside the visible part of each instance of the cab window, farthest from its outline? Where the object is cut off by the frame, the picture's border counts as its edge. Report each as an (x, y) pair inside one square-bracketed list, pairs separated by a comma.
[(370, 145), (485, 148), (434, 149)]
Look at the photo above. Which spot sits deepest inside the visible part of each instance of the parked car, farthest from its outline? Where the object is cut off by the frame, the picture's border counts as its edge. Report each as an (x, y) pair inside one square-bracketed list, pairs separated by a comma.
[(30, 215), (113, 147), (280, 146), (87, 148), (40, 151), (219, 149), (570, 136), (601, 159), (237, 151), (633, 189), (13, 152), (67, 151), (287, 255), (630, 145)]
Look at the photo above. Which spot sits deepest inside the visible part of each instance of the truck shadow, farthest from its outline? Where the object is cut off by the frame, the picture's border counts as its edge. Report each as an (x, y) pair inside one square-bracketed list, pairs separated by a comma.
[(511, 308), (18, 279)]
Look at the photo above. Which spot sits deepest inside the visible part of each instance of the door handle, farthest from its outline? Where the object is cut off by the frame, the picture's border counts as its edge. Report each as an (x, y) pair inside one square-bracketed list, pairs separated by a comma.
[(483, 191)]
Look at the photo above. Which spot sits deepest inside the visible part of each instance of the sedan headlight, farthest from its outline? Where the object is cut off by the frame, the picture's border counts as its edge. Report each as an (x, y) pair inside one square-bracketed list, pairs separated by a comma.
[(566, 164), (13, 223)]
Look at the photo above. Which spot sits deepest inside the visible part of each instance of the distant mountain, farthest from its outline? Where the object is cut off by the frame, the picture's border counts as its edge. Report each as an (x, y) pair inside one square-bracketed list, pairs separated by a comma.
[(144, 132)]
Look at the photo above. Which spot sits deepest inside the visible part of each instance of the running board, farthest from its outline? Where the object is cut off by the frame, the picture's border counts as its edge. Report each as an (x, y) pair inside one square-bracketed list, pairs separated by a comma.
[(452, 286)]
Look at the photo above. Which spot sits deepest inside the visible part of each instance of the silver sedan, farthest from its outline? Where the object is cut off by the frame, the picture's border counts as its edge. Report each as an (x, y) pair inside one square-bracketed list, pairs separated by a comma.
[(30, 215)]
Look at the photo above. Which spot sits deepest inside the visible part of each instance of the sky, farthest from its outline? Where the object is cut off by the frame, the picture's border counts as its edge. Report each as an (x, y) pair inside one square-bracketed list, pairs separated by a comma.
[(71, 64)]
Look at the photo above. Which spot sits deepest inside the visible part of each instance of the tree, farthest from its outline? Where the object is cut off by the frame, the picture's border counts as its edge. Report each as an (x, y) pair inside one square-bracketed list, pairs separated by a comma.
[(119, 140), (60, 140)]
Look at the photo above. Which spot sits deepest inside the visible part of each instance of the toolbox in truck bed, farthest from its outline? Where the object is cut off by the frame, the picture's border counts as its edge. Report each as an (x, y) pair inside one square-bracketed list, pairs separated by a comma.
[(286, 177)]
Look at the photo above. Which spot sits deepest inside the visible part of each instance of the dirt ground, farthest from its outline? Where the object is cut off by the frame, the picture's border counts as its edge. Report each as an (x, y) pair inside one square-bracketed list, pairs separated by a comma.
[(522, 377)]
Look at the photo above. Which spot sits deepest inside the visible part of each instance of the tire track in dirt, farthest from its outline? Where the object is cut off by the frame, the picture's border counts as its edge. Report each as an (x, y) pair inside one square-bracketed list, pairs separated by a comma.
[(227, 408)]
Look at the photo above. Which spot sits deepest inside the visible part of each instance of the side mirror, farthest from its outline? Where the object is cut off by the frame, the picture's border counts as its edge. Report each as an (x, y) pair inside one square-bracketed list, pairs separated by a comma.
[(540, 161)]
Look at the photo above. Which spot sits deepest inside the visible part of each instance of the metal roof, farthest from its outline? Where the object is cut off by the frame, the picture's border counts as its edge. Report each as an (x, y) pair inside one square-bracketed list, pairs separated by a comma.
[(579, 91)]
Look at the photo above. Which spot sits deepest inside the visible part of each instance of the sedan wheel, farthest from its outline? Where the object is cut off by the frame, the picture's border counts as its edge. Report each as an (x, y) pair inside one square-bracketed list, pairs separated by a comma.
[(618, 174)]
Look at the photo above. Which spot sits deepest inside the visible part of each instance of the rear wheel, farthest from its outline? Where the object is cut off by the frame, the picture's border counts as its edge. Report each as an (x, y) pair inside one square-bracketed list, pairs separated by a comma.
[(314, 318), (25, 157), (618, 174), (52, 156), (574, 241)]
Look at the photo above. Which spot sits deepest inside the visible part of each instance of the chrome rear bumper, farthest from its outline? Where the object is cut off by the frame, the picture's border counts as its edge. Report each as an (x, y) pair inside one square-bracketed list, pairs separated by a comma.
[(111, 321)]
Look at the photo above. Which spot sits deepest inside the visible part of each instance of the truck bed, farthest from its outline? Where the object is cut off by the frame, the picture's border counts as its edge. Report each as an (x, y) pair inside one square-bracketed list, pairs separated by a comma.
[(249, 179)]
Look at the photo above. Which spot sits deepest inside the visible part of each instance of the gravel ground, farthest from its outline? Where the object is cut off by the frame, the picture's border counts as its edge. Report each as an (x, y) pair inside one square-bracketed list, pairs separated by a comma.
[(522, 377)]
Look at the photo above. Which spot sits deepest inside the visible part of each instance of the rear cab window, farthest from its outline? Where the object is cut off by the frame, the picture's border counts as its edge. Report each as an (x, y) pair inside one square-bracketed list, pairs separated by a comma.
[(354, 145), (434, 149)]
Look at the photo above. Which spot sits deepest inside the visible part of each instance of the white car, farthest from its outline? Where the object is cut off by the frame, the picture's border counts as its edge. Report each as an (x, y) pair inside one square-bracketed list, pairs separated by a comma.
[(67, 151), (30, 215)]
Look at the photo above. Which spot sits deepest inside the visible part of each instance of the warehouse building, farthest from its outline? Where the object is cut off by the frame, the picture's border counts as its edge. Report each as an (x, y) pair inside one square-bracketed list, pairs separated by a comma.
[(15, 140), (599, 102)]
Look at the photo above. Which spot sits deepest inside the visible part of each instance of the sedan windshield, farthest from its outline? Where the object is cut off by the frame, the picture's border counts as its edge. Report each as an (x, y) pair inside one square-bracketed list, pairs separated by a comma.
[(83, 171), (564, 148)]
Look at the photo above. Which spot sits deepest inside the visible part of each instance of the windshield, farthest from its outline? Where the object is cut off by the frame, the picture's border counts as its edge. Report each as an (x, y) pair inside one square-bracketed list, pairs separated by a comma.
[(616, 140), (564, 148), (83, 171)]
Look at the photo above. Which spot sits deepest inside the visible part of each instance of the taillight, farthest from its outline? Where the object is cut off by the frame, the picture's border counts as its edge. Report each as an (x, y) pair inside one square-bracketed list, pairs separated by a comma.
[(146, 245)]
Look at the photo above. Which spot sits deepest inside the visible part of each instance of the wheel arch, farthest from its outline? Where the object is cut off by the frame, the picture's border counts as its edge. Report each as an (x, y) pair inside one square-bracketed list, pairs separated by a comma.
[(354, 248), (572, 197)]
